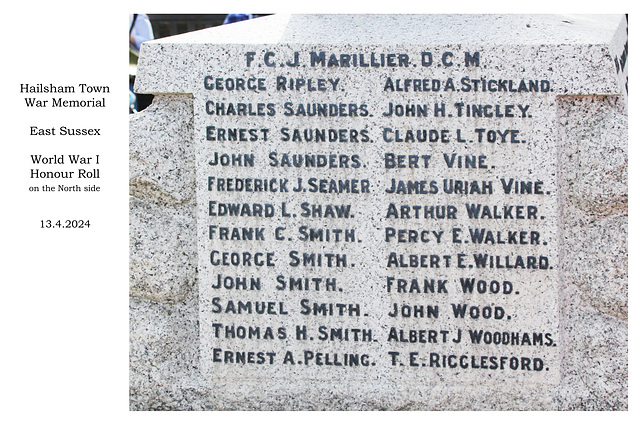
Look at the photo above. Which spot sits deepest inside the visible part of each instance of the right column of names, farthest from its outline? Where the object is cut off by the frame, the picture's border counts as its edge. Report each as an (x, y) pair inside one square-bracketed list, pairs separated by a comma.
[(468, 219)]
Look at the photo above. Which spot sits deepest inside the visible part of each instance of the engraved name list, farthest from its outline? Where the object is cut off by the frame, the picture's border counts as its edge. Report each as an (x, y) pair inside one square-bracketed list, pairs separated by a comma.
[(375, 213)]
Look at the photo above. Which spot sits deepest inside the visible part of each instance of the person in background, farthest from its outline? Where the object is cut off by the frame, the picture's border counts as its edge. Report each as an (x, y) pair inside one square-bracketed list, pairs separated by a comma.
[(140, 31), (237, 17)]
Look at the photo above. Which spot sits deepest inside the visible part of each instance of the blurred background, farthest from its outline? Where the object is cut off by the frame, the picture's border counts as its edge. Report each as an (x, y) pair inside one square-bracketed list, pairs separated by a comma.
[(144, 27)]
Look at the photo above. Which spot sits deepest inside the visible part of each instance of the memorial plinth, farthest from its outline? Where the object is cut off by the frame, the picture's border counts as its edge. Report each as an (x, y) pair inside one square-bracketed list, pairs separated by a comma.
[(382, 212)]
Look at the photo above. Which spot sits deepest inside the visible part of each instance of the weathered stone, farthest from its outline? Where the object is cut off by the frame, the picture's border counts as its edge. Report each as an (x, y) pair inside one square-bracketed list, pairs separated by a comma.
[(162, 152), (162, 184), (162, 257), (396, 132)]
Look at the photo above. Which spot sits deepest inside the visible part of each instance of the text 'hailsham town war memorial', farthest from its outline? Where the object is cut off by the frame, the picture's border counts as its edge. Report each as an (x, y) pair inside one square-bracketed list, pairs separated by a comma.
[(382, 212)]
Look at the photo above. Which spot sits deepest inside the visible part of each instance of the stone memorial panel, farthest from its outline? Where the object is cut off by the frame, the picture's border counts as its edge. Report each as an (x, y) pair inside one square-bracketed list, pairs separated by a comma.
[(380, 212)]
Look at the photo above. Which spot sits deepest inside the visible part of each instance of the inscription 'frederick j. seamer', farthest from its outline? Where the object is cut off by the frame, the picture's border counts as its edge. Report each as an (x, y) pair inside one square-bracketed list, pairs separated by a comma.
[(375, 211)]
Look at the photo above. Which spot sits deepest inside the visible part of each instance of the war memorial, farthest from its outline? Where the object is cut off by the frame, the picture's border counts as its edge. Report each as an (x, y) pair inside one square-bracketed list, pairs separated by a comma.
[(381, 212)]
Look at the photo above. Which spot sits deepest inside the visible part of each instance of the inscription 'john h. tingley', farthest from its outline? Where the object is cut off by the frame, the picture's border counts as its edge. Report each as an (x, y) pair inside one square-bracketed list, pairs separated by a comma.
[(330, 207)]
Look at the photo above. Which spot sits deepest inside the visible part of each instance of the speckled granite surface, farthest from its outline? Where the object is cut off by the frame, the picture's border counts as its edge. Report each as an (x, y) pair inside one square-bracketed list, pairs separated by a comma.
[(537, 99)]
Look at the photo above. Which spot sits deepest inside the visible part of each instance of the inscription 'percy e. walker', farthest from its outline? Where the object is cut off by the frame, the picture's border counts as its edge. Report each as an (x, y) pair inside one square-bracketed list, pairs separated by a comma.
[(378, 213)]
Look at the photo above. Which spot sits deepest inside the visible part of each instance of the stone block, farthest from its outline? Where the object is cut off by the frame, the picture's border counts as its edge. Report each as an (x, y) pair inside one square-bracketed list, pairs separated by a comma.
[(360, 212)]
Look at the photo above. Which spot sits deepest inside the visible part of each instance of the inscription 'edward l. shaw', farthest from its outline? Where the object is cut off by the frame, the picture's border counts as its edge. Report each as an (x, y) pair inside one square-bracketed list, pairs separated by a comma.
[(268, 210)]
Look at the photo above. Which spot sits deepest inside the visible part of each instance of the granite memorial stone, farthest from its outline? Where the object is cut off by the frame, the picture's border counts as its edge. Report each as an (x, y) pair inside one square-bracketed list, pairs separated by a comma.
[(382, 212)]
